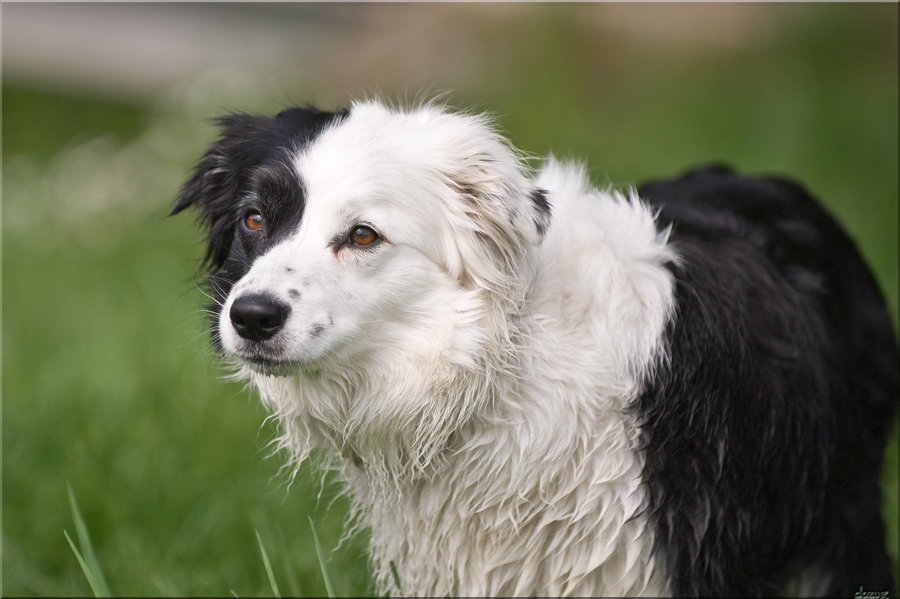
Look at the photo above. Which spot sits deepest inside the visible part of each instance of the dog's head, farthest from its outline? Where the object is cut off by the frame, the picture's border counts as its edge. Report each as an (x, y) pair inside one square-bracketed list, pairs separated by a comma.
[(342, 238), (365, 268)]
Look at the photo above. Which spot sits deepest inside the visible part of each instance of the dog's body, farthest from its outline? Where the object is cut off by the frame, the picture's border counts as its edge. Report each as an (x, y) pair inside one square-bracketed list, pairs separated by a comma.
[(539, 388)]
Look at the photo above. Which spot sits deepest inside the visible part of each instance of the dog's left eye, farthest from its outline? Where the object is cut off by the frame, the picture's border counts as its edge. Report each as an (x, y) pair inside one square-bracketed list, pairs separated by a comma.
[(363, 236)]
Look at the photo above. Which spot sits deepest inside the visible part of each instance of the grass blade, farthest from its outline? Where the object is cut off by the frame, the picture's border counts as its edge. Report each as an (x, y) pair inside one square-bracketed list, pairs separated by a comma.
[(287, 567), (89, 564), (268, 565), (396, 578), (84, 568), (321, 560)]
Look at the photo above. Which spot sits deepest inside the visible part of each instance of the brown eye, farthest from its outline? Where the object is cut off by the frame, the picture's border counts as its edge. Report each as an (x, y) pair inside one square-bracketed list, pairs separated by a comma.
[(254, 221), (363, 236)]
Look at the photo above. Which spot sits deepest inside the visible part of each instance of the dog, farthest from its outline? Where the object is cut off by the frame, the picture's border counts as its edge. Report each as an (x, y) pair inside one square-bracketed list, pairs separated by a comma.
[(535, 387)]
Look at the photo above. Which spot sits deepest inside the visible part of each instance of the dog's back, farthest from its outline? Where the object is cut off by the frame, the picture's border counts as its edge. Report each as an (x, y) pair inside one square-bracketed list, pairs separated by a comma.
[(765, 431)]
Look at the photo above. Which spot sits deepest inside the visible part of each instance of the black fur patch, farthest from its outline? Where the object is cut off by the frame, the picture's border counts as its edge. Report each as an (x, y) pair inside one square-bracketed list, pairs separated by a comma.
[(764, 430), (539, 197), (249, 169)]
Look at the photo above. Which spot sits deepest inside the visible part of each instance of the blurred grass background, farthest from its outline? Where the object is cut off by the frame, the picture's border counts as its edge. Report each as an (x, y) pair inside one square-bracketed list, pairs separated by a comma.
[(108, 381)]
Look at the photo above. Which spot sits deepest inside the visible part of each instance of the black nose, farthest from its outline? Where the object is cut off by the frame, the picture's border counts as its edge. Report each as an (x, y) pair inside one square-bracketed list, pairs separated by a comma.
[(258, 317)]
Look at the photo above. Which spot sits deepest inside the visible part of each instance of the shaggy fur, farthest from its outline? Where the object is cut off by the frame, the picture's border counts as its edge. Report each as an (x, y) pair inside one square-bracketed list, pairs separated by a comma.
[(538, 388)]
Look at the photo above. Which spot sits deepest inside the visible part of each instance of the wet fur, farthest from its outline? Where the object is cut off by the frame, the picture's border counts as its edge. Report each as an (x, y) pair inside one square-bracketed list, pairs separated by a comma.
[(536, 387)]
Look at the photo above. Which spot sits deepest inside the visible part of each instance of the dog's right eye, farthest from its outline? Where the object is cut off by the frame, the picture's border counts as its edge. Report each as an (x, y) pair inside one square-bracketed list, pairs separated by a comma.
[(254, 221)]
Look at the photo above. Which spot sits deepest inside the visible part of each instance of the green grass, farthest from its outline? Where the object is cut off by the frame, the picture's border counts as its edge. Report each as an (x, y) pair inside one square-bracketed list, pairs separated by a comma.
[(268, 564), (108, 381), (41, 125), (108, 384), (321, 555), (86, 557)]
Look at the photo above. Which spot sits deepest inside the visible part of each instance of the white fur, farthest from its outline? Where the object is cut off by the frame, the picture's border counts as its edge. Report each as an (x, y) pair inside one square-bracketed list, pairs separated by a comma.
[(473, 376)]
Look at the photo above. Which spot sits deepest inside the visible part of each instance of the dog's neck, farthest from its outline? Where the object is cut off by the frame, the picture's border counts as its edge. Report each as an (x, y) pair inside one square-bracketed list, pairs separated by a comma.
[(509, 479), (539, 467)]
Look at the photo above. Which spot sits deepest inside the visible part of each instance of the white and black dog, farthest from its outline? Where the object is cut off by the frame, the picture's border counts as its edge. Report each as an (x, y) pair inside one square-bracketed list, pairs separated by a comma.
[(534, 387)]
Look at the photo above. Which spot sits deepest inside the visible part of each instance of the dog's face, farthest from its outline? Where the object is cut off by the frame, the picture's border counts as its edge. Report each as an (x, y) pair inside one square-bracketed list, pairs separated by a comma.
[(352, 237)]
